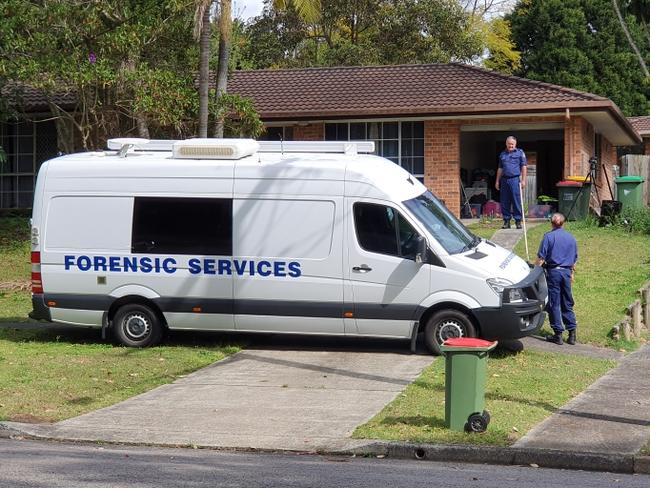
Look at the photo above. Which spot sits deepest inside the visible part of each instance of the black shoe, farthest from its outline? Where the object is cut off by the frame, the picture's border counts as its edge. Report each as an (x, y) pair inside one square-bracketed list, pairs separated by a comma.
[(506, 224), (518, 225), (555, 339), (572, 337)]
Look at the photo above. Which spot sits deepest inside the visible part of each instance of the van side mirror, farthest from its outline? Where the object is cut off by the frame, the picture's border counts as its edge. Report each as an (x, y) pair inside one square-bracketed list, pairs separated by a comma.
[(421, 252)]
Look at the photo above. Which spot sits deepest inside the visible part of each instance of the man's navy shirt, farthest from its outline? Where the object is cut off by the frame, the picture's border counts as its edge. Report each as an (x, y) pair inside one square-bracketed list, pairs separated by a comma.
[(511, 162), (558, 248)]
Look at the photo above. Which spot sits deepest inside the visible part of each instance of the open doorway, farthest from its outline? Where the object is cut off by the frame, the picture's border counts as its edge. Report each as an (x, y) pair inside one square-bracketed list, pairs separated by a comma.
[(479, 158)]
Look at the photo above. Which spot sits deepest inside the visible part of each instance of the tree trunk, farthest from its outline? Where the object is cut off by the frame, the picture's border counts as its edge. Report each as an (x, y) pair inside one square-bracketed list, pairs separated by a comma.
[(633, 45), (225, 32), (204, 72)]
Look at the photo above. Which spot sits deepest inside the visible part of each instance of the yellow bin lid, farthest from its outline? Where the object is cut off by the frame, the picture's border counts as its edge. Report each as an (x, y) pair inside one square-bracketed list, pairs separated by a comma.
[(581, 179)]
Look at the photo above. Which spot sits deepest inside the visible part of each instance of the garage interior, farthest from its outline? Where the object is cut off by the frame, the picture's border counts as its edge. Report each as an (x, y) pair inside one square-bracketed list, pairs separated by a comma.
[(479, 156)]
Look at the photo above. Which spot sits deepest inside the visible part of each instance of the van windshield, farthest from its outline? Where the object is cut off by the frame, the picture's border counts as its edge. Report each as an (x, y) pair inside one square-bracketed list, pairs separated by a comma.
[(441, 223)]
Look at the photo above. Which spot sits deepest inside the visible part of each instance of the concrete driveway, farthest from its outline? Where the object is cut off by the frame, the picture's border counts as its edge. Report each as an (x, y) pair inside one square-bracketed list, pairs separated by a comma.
[(303, 400)]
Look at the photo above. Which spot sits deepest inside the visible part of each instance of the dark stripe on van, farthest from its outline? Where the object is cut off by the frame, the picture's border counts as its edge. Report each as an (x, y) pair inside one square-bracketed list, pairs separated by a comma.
[(249, 307)]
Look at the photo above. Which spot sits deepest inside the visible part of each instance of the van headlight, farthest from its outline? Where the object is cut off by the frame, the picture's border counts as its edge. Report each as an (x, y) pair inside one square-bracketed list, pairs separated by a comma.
[(498, 284)]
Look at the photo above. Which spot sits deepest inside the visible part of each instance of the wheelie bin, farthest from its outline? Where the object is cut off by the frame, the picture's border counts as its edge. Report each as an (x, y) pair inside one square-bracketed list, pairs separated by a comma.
[(573, 199), (465, 378), (629, 191)]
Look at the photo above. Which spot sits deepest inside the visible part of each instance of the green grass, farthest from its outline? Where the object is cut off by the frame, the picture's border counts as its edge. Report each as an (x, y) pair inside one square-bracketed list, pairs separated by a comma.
[(45, 376), (15, 271), (522, 389), (48, 373), (612, 266), (645, 450)]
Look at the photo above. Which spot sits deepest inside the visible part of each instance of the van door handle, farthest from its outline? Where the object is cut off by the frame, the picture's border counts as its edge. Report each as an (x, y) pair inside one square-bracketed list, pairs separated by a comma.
[(364, 268)]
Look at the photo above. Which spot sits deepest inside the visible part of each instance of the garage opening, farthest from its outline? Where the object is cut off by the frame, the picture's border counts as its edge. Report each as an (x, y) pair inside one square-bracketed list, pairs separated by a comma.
[(479, 159)]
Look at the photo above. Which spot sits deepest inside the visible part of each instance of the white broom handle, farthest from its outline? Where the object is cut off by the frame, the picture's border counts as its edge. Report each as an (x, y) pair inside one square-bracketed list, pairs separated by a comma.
[(523, 220)]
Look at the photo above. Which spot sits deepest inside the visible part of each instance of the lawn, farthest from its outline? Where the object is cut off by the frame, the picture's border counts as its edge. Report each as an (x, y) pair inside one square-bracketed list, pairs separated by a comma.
[(52, 373), (612, 266), (522, 390)]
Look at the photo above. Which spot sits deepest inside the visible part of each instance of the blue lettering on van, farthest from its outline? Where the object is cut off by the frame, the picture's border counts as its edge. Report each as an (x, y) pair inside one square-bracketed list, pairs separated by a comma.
[(195, 266)]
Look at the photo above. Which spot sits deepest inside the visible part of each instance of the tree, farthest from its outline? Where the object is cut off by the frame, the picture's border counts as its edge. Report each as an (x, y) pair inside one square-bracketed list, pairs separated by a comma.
[(630, 40), (225, 33), (580, 44), (118, 58), (365, 32), (202, 31)]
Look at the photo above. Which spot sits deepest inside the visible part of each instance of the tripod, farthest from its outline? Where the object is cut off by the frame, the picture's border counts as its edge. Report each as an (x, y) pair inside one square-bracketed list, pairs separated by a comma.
[(464, 201), (591, 178)]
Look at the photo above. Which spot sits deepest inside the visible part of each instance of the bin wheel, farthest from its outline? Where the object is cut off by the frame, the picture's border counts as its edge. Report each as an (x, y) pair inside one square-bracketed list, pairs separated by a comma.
[(486, 416), (476, 423), (446, 324)]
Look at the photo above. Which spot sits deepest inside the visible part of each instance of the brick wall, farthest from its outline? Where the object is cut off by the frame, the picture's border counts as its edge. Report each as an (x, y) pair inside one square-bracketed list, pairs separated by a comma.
[(647, 147), (311, 132), (442, 161), (578, 146)]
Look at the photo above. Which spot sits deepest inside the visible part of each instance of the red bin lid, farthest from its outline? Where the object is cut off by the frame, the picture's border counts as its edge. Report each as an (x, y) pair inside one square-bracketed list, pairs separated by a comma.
[(467, 342), (570, 183)]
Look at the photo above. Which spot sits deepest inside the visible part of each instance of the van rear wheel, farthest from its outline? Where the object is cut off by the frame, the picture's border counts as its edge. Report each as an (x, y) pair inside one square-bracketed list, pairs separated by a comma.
[(446, 324), (137, 325)]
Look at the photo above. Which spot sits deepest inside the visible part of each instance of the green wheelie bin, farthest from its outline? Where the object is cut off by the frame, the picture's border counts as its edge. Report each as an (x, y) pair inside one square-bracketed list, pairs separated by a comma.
[(573, 199), (629, 191), (465, 378)]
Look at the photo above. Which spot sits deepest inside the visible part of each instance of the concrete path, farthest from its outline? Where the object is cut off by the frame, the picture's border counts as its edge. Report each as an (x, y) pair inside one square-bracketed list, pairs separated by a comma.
[(611, 416), (257, 399)]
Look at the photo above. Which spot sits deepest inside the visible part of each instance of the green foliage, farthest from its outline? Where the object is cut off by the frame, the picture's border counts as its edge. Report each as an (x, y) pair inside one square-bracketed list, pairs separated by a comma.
[(503, 56), (580, 44), (362, 33), (241, 119), (633, 220)]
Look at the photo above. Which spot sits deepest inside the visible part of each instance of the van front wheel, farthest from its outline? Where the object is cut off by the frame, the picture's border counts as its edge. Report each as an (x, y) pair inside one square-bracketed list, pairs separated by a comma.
[(446, 324), (137, 325)]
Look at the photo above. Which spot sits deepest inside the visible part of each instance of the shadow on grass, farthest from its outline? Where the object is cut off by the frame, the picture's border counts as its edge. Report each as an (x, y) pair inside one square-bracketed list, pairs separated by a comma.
[(415, 421)]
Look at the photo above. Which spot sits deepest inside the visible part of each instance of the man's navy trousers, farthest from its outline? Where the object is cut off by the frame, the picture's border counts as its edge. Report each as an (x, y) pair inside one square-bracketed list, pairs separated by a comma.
[(510, 197), (560, 299)]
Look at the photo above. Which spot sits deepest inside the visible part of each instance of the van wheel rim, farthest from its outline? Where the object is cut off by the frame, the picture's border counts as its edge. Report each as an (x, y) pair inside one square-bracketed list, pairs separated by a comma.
[(449, 329), (136, 326)]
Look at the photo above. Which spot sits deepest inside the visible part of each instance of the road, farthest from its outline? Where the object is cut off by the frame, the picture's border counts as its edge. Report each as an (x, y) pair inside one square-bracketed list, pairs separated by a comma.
[(35, 464)]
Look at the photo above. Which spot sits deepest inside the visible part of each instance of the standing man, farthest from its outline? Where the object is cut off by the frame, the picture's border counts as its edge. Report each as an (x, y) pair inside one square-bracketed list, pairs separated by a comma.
[(511, 178), (558, 253)]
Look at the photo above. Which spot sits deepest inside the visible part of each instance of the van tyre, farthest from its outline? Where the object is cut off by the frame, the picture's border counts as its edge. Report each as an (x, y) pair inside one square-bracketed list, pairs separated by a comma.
[(137, 325), (446, 324)]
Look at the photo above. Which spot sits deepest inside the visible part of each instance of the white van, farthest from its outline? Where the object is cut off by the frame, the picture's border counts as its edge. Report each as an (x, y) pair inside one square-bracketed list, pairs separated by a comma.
[(294, 237)]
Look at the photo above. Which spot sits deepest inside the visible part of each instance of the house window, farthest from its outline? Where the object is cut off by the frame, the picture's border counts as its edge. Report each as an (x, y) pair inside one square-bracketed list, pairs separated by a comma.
[(277, 133), (401, 142), (25, 145)]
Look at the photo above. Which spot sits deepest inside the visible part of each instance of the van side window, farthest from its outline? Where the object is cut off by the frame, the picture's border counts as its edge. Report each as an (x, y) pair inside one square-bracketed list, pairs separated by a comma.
[(383, 230), (164, 225)]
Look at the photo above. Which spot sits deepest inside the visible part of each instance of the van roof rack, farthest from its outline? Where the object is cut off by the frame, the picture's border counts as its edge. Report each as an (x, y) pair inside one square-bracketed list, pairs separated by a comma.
[(125, 144)]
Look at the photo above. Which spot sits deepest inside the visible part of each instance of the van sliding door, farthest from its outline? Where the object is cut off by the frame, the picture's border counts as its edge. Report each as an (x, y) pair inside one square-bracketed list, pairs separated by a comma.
[(287, 264)]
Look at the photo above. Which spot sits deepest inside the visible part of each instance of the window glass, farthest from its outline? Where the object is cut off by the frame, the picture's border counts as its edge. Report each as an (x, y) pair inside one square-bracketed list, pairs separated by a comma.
[(182, 226), (450, 233), (383, 230), (401, 142)]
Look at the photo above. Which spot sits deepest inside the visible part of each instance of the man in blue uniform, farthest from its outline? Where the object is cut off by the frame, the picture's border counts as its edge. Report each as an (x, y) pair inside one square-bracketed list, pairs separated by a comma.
[(511, 178), (558, 253)]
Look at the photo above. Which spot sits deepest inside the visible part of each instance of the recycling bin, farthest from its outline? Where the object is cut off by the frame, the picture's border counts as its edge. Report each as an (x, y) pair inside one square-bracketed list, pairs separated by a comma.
[(629, 191), (465, 378), (573, 199)]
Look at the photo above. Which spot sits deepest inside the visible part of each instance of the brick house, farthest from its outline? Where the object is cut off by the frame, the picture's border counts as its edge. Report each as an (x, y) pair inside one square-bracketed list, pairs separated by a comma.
[(445, 123)]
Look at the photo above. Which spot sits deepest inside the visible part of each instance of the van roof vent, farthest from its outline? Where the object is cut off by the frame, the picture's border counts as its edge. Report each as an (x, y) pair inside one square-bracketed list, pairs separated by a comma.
[(214, 148)]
